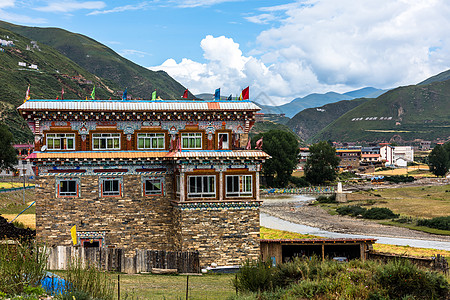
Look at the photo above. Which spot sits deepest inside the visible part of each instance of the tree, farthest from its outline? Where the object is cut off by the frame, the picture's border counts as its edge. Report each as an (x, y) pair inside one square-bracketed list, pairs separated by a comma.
[(8, 155), (439, 160), (321, 164), (282, 146)]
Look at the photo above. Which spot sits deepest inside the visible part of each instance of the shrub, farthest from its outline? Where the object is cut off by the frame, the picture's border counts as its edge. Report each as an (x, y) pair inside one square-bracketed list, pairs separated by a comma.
[(442, 223), (401, 279), (254, 276), (325, 199), (399, 178), (87, 280), (22, 266), (299, 181), (379, 213), (351, 210)]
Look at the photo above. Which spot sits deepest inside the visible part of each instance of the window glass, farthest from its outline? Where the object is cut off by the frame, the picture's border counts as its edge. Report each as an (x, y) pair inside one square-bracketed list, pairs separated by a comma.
[(238, 185), (201, 186), (61, 141), (151, 141), (68, 188), (106, 141), (153, 186), (111, 187), (191, 140)]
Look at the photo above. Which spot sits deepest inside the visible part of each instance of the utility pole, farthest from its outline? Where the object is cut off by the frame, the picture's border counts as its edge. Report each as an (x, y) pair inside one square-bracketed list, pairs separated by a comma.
[(23, 174)]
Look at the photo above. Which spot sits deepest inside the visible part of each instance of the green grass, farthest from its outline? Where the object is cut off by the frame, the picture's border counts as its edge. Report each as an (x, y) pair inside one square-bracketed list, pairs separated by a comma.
[(149, 286), (415, 227)]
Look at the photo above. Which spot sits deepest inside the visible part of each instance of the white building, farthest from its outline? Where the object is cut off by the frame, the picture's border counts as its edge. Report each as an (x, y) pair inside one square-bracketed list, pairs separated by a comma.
[(397, 156)]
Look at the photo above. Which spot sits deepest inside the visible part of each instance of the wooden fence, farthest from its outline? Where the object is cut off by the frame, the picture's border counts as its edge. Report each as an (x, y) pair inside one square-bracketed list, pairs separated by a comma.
[(114, 259)]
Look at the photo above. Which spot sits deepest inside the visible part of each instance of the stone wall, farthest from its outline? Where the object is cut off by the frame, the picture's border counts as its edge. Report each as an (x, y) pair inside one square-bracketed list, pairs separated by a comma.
[(225, 234), (131, 221)]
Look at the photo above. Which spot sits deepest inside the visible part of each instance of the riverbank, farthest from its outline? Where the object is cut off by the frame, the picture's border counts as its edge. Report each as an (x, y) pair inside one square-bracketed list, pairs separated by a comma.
[(302, 212)]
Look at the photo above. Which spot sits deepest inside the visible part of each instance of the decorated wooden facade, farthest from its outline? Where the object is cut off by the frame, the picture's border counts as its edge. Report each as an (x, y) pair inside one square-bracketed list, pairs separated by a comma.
[(160, 175)]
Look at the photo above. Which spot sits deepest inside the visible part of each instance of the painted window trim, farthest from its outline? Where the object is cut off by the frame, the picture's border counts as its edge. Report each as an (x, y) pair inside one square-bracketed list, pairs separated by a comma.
[(58, 187), (101, 184), (241, 182), (112, 136), (192, 135), (66, 137), (145, 135), (160, 178), (202, 194)]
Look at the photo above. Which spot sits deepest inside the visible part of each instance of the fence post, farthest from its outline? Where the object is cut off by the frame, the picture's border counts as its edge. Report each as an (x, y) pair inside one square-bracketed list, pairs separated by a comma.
[(187, 287), (118, 286)]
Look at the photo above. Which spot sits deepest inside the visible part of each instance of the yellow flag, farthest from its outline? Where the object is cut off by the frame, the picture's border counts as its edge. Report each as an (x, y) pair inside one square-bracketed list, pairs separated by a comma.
[(73, 233)]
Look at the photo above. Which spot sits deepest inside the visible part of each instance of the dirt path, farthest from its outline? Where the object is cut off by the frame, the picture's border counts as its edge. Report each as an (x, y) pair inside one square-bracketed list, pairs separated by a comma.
[(315, 216)]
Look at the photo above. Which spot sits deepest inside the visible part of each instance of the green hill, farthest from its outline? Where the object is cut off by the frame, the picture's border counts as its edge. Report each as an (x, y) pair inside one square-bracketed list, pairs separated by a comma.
[(401, 115), (25, 63), (104, 62), (310, 121)]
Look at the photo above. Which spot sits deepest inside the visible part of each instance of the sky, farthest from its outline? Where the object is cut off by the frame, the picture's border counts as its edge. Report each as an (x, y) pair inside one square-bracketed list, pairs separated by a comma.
[(281, 49)]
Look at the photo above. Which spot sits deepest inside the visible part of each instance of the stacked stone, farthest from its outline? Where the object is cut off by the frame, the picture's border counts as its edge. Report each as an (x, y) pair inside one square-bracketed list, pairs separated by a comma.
[(9, 231)]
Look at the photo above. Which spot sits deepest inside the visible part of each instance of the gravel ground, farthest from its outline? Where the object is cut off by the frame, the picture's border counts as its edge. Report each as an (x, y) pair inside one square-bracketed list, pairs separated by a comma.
[(315, 216)]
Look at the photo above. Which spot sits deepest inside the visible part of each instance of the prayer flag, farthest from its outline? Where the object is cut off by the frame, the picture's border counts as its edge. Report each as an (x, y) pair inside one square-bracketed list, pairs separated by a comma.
[(93, 93), (27, 95), (124, 96), (185, 94), (245, 94), (217, 94), (229, 97), (259, 144), (73, 233), (154, 95), (62, 93)]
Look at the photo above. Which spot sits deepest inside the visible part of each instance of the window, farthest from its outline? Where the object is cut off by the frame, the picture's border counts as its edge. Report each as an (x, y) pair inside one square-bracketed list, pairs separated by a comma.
[(61, 141), (150, 141), (67, 187), (222, 141), (106, 141), (191, 140), (202, 186), (239, 186), (153, 186), (111, 186)]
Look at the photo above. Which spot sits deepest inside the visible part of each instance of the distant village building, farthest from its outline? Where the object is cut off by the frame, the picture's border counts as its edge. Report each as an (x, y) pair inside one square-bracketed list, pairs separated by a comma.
[(160, 175), (397, 156), (23, 165), (350, 157)]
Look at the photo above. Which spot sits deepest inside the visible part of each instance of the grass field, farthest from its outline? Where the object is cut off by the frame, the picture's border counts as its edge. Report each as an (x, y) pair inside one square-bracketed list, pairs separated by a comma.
[(416, 171), (416, 202)]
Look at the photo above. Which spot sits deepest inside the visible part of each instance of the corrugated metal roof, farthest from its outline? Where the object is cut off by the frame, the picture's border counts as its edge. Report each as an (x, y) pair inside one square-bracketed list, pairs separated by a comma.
[(145, 154), (138, 105)]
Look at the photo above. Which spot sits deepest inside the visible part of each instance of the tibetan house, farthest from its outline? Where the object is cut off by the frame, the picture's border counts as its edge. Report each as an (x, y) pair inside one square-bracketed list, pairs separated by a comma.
[(159, 175)]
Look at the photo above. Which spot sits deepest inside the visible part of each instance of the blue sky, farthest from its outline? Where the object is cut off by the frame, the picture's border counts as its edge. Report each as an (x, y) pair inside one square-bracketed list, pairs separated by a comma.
[(281, 49)]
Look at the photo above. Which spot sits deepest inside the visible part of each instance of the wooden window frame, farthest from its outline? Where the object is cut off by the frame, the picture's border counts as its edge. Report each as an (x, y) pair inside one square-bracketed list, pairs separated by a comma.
[(102, 181), (189, 133), (241, 183), (151, 138), (59, 186), (73, 138), (202, 194), (144, 181), (119, 137)]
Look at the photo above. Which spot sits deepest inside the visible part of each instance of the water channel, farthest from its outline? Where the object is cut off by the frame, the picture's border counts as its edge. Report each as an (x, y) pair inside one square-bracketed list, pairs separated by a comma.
[(280, 224)]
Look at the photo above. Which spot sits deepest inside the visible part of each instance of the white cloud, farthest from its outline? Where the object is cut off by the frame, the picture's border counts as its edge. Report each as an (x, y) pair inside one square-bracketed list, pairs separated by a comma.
[(326, 45), (6, 3), (381, 43), (121, 9), (70, 6), (131, 52), (14, 17), (199, 3)]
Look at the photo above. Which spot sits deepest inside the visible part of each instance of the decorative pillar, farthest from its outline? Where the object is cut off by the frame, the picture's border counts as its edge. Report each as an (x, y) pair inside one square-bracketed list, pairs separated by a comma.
[(128, 141), (182, 187), (257, 185), (83, 142), (221, 186)]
